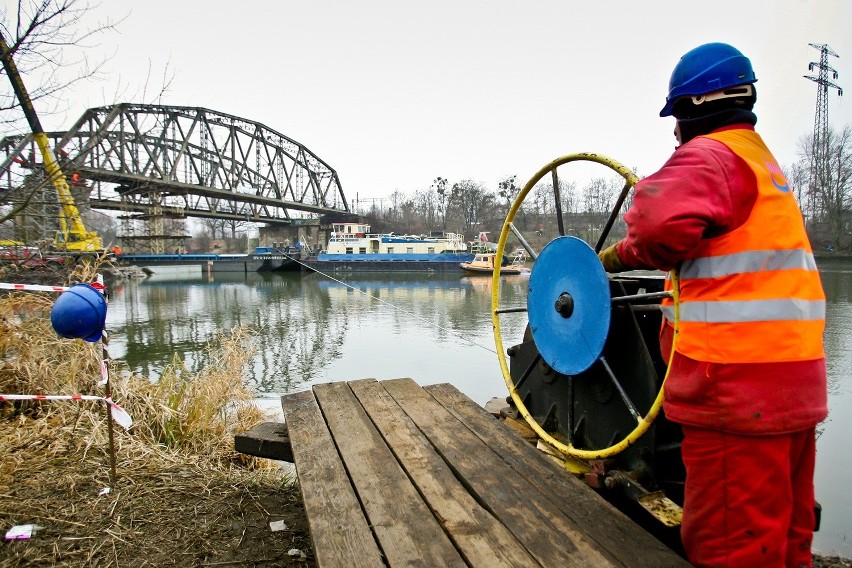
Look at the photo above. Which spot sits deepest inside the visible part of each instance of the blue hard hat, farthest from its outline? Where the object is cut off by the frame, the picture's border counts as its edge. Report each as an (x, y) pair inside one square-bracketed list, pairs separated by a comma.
[(79, 313), (707, 68)]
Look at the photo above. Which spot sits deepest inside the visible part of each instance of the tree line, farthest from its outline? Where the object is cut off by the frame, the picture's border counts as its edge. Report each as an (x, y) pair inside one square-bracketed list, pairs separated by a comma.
[(822, 180), (822, 187), (469, 207)]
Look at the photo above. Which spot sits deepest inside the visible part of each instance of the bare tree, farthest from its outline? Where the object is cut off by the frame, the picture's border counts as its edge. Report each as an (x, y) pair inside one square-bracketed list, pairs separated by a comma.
[(798, 177), (235, 227), (50, 42), (543, 200), (470, 205), (508, 190), (214, 227), (830, 189), (600, 195), (426, 207), (440, 186), (408, 217), (395, 210), (46, 42)]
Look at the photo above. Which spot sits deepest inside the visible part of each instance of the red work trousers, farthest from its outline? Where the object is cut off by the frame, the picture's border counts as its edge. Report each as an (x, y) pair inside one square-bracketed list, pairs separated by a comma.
[(749, 500)]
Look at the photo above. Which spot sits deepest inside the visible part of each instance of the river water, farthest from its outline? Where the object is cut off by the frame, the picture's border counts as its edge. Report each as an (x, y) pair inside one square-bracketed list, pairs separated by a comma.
[(310, 328)]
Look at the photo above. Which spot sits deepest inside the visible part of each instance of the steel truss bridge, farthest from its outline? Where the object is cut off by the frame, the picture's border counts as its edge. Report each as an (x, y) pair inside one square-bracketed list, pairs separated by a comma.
[(155, 161)]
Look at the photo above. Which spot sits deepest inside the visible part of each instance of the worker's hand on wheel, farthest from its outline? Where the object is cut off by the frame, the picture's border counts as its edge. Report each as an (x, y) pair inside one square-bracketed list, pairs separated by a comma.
[(610, 260)]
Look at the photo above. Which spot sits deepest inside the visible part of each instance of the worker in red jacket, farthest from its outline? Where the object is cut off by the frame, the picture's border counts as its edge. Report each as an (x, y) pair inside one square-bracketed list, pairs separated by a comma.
[(747, 380)]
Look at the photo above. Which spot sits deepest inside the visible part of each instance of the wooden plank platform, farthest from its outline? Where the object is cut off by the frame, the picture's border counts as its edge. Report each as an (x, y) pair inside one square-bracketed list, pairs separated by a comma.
[(393, 474)]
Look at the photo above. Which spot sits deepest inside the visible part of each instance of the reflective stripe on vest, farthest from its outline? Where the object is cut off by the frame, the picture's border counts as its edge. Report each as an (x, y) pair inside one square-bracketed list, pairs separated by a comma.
[(747, 261), (753, 294), (749, 311)]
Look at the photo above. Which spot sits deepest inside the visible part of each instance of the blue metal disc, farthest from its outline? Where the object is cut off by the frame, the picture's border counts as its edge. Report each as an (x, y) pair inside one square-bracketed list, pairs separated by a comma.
[(568, 268)]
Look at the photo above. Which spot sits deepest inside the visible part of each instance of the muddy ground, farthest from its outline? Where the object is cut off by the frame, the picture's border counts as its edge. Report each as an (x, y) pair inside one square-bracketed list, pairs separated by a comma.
[(181, 516)]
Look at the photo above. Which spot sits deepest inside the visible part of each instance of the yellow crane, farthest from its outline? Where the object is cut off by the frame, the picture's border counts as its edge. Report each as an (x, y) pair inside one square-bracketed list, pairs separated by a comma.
[(72, 235)]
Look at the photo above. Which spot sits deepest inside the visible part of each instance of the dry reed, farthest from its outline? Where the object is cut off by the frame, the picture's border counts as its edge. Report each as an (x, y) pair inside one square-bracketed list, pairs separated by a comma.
[(182, 491)]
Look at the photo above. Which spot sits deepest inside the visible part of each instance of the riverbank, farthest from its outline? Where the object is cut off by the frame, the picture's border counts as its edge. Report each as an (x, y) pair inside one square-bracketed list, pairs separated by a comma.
[(181, 496), (180, 512)]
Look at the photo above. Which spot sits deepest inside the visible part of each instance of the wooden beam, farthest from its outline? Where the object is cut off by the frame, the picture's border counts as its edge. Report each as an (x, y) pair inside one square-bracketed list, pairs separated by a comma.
[(608, 527), (267, 440), (339, 530), (408, 533), (531, 516), (480, 537)]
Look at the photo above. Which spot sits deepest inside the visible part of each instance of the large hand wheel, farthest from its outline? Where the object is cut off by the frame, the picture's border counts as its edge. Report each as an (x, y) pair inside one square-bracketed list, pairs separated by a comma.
[(568, 306)]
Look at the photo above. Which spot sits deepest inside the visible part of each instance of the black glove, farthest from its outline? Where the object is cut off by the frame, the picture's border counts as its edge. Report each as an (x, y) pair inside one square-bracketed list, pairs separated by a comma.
[(610, 260)]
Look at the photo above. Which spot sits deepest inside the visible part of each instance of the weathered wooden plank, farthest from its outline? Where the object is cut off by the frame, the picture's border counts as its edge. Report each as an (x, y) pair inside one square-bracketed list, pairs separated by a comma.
[(611, 529), (408, 533), (340, 533), (266, 440), (522, 429), (551, 537), (481, 538)]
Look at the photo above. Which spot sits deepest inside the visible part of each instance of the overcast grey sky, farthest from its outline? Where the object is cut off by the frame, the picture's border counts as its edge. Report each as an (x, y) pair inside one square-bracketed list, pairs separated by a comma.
[(392, 94)]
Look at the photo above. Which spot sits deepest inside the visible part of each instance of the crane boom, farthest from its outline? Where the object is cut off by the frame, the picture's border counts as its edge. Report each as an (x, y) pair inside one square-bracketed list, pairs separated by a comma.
[(72, 234)]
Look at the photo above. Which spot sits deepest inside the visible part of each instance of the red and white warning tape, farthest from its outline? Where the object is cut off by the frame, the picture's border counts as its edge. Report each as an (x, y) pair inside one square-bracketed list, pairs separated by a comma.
[(43, 288), (32, 287), (121, 417)]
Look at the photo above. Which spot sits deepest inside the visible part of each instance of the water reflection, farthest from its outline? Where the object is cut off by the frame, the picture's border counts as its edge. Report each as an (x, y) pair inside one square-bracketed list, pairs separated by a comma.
[(834, 461), (837, 282), (306, 327)]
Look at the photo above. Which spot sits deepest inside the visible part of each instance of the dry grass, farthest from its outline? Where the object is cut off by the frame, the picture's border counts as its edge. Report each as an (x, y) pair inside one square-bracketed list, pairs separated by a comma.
[(183, 496)]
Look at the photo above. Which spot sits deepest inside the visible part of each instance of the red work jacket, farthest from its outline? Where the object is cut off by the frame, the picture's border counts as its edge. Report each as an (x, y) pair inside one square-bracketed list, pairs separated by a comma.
[(712, 203)]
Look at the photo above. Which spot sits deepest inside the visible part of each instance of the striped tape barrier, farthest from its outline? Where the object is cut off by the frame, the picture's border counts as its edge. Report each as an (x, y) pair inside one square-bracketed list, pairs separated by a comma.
[(32, 287), (42, 287), (121, 417)]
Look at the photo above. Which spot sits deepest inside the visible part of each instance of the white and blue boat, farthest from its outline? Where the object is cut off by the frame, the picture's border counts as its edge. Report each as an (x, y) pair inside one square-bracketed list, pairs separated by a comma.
[(352, 247)]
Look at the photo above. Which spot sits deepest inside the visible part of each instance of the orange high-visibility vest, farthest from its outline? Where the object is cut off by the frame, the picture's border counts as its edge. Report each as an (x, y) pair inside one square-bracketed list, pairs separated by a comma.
[(753, 295)]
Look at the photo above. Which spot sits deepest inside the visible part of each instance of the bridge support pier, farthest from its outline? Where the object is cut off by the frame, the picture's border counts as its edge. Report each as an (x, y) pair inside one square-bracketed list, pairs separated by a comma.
[(309, 232)]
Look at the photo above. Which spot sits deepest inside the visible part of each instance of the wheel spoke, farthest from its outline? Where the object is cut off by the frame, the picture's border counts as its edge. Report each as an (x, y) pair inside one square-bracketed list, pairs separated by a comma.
[(528, 370), (641, 297), (614, 215), (560, 223), (629, 403), (527, 246), (510, 310)]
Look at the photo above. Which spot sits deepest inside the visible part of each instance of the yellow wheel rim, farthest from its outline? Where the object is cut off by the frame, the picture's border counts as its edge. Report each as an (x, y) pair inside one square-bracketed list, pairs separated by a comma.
[(644, 422)]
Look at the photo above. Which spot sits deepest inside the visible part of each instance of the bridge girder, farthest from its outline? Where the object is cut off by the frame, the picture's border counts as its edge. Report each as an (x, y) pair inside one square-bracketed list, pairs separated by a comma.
[(201, 162)]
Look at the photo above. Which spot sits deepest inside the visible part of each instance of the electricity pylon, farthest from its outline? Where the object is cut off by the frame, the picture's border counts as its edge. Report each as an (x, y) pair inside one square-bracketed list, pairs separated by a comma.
[(819, 152)]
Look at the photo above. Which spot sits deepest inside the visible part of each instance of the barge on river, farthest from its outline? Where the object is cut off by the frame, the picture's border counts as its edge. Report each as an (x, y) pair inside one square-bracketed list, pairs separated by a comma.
[(259, 261), (352, 247)]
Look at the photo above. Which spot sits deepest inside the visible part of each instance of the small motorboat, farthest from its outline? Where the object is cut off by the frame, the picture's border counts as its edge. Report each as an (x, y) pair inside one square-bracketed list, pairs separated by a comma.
[(483, 263)]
